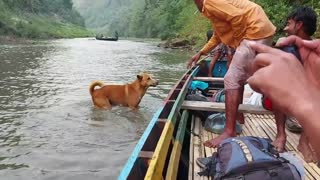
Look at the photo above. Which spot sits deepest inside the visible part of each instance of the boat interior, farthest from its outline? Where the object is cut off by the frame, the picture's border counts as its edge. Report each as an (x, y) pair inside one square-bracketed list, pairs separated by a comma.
[(174, 138)]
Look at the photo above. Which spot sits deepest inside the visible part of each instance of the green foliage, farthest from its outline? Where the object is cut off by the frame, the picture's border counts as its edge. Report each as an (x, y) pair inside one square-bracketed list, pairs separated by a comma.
[(277, 12), (41, 19), (168, 18)]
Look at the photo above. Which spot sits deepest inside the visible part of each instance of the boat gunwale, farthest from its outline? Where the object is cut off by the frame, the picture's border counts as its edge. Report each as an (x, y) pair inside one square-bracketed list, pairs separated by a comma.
[(164, 142), (127, 168)]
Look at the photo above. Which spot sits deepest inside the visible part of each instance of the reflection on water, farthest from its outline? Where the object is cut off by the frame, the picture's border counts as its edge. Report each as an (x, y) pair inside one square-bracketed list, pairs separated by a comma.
[(48, 126)]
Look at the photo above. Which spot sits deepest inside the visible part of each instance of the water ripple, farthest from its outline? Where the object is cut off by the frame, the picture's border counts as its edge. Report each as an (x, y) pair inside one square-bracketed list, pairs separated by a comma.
[(49, 127)]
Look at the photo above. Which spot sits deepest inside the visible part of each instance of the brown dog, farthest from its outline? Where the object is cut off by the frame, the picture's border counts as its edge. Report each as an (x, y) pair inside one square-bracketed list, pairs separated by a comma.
[(126, 95)]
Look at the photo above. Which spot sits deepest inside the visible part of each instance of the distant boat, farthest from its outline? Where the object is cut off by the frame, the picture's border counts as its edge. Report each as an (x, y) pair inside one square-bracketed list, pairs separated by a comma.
[(108, 38)]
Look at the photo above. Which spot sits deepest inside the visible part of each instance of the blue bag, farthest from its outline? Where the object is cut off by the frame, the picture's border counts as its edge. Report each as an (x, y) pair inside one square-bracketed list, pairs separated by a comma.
[(219, 69), (199, 85)]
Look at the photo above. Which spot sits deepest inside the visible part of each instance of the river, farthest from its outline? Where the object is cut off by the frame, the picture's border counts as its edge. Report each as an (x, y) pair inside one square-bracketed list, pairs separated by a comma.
[(49, 128)]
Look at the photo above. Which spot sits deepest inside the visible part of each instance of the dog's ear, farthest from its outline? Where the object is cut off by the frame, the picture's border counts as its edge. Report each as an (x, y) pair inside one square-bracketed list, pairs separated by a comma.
[(139, 77)]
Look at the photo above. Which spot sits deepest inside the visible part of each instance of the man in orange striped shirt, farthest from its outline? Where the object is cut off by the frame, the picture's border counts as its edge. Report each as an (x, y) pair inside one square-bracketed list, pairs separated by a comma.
[(236, 23)]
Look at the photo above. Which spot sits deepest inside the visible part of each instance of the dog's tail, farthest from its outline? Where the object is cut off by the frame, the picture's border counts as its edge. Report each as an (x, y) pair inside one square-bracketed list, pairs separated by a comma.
[(94, 84)]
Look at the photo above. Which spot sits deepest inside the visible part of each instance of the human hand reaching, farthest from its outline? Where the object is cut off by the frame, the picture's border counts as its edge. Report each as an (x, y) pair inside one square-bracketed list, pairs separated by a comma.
[(310, 55), (194, 60), (281, 77)]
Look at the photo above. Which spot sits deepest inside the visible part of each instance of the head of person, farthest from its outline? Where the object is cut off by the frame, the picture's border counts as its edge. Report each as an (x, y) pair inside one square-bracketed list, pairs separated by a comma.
[(209, 34), (199, 4), (301, 22)]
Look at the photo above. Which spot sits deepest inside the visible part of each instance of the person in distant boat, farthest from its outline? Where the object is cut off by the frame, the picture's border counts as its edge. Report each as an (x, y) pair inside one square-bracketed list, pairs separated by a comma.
[(116, 35), (293, 88), (236, 23)]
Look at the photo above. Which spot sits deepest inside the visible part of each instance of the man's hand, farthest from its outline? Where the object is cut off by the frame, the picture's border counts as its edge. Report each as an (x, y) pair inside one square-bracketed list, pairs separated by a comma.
[(280, 76), (310, 55), (194, 60)]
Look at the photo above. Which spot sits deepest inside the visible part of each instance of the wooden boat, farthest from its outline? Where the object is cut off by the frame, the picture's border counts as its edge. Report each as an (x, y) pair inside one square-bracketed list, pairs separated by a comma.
[(107, 38), (103, 38), (174, 138)]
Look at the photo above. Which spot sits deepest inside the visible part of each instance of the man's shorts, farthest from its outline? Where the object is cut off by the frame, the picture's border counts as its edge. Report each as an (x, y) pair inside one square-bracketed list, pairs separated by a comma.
[(241, 65)]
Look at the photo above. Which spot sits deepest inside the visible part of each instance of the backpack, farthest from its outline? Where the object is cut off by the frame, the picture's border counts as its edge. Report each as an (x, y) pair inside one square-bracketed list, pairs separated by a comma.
[(249, 158), (219, 96)]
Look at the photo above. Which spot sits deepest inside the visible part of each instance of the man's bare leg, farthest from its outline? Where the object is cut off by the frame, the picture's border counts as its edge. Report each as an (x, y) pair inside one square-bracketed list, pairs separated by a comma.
[(232, 104), (240, 116), (281, 137), (309, 155)]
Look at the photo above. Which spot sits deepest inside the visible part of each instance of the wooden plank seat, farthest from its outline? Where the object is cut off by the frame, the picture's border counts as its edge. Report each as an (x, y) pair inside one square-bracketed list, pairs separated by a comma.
[(220, 107), (209, 79)]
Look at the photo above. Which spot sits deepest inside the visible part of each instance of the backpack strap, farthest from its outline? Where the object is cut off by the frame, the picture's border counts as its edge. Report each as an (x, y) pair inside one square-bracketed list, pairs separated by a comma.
[(210, 169)]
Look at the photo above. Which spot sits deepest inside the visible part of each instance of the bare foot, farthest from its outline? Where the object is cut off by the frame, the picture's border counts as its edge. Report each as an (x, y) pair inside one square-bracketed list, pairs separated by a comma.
[(240, 118), (279, 144), (107, 108), (216, 141), (306, 150), (134, 109)]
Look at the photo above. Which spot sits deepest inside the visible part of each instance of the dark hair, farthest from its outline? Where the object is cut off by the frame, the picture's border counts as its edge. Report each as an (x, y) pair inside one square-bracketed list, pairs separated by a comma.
[(209, 34), (307, 16)]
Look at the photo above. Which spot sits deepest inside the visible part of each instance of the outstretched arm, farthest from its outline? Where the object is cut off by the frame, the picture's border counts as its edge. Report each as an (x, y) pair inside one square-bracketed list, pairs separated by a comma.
[(212, 43)]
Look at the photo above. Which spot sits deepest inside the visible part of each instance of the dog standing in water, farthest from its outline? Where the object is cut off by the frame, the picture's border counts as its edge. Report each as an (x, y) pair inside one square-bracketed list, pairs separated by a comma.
[(128, 95)]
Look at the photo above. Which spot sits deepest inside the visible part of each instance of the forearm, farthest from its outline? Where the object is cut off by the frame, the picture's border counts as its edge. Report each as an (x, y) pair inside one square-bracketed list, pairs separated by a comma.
[(212, 63), (211, 44), (307, 112)]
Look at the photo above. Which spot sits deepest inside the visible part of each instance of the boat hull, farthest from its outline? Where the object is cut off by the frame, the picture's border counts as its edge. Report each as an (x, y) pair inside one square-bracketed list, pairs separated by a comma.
[(158, 152), (107, 39)]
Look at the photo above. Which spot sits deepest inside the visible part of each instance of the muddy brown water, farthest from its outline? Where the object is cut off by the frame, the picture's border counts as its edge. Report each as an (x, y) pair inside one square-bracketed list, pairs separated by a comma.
[(49, 128)]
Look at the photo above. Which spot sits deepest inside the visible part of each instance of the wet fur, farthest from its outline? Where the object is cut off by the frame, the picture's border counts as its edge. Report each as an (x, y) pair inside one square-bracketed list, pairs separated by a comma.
[(128, 95)]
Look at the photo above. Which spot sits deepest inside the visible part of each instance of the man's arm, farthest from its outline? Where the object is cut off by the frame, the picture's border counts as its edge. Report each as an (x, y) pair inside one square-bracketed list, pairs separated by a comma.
[(308, 113), (211, 44), (214, 59)]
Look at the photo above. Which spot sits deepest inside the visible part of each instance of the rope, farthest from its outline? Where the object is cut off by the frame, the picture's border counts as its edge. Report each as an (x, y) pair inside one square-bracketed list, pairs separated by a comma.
[(194, 134)]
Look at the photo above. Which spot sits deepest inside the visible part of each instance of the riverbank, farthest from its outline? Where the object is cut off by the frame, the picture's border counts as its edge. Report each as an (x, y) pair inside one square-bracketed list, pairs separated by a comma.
[(40, 27), (9, 40), (17, 22)]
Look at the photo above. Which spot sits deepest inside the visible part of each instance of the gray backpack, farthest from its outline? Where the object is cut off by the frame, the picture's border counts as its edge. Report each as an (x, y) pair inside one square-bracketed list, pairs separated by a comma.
[(249, 158)]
